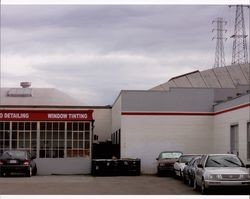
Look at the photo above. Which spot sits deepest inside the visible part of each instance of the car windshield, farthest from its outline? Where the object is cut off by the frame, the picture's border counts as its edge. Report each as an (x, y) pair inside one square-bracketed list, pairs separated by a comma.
[(184, 159), (223, 161), (14, 154), (170, 155)]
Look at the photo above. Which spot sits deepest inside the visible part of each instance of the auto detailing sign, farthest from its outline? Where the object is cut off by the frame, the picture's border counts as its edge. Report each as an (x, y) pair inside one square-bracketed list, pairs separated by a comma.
[(46, 115)]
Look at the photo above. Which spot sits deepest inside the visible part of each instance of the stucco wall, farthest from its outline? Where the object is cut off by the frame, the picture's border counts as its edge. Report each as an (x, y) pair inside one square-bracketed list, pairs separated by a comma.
[(145, 137), (221, 134)]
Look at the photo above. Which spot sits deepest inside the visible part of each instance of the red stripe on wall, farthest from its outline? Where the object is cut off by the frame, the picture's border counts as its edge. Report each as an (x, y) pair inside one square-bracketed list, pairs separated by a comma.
[(233, 109), (163, 114), (187, 113)]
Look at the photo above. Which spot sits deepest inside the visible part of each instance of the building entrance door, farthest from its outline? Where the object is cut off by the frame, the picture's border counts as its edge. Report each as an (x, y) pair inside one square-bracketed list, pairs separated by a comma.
[(234, 139)]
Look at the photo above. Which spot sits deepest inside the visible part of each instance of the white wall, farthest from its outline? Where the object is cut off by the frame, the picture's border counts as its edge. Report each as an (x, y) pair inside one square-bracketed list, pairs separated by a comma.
[(222, 123), (102, 124), (145, 137)]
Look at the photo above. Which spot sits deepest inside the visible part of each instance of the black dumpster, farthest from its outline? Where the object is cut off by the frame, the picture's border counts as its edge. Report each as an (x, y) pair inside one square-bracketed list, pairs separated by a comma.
[(104, 167), (117, 167), (129, 167)]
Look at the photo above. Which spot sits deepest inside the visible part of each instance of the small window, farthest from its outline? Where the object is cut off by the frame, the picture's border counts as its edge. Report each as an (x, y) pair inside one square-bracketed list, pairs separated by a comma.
[(14, 126), (27, 126)]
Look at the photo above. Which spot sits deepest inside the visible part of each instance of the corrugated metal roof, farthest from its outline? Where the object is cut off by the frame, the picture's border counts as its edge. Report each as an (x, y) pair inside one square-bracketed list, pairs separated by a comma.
[(39, 97), (222, 77)]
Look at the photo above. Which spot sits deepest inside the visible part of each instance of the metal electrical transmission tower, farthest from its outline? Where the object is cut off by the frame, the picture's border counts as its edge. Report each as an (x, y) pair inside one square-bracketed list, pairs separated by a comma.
[(219, 52), (240, 54)]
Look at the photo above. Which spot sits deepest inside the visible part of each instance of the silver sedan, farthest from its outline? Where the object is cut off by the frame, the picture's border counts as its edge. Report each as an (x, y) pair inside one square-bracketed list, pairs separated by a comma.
[(221, 170)]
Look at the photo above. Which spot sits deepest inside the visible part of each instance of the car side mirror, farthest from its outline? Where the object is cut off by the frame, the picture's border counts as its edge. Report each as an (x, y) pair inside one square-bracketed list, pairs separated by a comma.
[(186, 163), (199, 166), (157, 158), (247, 165)]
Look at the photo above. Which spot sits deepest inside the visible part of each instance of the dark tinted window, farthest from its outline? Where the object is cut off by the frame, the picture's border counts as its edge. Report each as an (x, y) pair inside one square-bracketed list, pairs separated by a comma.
[(184, 159)]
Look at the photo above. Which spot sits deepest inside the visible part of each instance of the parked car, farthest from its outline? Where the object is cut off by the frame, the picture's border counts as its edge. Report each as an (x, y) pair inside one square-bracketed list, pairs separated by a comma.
[(189, 170), (221, 170), (15, 161), (180, 164), (165, 162)]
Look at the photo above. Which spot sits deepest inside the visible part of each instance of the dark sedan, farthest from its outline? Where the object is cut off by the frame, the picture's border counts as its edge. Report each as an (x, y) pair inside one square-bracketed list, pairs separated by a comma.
[(189, 170), (14, 161), (165, 162)]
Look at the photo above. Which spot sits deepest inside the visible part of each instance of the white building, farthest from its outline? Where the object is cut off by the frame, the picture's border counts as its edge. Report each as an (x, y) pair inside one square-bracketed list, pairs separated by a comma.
[(198, 112)]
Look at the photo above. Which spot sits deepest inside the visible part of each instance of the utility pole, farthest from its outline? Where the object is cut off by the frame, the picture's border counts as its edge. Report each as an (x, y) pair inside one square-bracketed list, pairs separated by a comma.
[(240, 54), (219, 51)]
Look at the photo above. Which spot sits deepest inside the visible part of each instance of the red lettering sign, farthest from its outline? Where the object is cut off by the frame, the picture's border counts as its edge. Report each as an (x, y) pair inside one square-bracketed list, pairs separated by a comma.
[(46, 115)]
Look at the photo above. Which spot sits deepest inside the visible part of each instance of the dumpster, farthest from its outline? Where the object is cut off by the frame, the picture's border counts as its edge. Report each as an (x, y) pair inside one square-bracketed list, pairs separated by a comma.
[(129, 167), (104, 167), (116, 167)]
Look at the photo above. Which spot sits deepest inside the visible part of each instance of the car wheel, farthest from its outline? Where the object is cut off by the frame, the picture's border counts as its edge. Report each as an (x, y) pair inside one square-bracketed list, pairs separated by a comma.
[(204, 190), (181, 174), (185, 179), (29, 172), (5, 174), (159, 173), (34, 172), (174, 174), (190, 182), (177, 174)]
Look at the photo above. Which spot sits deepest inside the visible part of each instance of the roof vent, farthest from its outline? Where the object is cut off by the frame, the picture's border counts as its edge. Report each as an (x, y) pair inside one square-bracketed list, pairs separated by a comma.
[(218, 101), (25, 91), (25, 84)]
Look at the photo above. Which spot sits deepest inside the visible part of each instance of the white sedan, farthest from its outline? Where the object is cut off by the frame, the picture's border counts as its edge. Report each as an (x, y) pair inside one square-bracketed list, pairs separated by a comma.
[(180, 164), (221, 170)]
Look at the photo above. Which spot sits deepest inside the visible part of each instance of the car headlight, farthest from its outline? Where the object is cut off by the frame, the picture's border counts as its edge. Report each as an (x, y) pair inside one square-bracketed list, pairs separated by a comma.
[(245, 176), (214, 177)]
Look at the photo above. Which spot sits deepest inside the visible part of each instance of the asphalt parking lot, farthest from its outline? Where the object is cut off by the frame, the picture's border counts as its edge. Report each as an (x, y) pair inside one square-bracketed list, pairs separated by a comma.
[(86, 184)]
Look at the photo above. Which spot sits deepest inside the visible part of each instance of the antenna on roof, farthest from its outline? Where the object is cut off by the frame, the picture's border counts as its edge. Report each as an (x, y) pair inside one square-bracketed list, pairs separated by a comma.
[(25, 84)]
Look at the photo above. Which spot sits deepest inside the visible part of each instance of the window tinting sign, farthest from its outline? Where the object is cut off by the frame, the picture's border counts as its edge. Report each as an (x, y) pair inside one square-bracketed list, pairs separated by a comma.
[(15, 115)]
